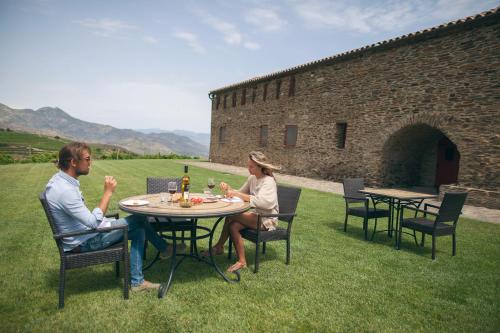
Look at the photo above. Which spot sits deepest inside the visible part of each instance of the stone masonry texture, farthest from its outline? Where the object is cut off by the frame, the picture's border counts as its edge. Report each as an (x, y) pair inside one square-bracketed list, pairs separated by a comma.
[(398, 99)]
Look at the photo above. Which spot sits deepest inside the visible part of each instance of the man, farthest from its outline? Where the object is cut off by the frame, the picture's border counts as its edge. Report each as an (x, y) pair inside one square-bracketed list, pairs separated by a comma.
[(70, 214)]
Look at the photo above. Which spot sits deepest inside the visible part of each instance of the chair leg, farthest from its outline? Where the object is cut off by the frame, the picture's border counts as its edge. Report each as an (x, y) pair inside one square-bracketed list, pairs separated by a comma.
[(433, 247), (345, 222), (365, 227), (117, 268), (398, 236), (256, 267), (287, 251), (230, 249), (374, 230), (423, 240), (454, 243), (126, 272), (263, 247), (145, 249), (415, 237), (62, 281)]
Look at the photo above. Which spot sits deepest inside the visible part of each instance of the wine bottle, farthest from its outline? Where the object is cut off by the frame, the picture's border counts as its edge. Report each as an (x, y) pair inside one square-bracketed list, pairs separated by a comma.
[(185, 185)]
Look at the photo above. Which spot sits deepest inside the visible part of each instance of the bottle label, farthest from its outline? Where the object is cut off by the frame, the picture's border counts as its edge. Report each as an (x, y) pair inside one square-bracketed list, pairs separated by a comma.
[(186, 192)]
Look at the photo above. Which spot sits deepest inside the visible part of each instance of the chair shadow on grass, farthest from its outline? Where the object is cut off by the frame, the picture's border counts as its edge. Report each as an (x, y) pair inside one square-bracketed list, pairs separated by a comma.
[(86, 280), (192, 270), (355, 231)]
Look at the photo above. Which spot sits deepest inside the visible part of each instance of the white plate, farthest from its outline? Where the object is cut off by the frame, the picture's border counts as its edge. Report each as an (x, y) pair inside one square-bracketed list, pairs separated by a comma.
[(135, 202)]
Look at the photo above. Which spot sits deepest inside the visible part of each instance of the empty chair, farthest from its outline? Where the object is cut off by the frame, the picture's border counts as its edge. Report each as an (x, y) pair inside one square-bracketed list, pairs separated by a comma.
[(158, 185), (288, 198), (444, 222), (358, 204), (69, 260)]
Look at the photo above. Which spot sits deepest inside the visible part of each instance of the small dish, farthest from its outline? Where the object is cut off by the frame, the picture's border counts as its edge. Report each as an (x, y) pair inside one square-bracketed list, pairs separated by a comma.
[(185, 204), (135, 202)]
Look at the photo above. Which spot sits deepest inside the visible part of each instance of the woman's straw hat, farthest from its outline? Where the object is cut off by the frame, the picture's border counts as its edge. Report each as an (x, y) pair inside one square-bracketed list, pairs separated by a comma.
[(261, 160)]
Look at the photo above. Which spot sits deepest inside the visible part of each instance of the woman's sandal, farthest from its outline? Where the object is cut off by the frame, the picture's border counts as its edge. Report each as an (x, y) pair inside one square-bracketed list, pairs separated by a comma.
[(206, 253), (236, 267)]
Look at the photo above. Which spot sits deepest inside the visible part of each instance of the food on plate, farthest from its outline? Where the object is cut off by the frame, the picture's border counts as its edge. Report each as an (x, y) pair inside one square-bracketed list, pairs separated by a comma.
[(185, 204), (176, 197), (196, 200)]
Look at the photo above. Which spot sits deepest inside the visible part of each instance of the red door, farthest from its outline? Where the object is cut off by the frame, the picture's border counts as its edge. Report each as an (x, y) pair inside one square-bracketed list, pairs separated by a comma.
[(448, 159)]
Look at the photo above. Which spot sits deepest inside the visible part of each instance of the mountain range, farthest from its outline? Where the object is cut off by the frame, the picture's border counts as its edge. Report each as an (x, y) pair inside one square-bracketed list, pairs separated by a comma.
[(54, 121)]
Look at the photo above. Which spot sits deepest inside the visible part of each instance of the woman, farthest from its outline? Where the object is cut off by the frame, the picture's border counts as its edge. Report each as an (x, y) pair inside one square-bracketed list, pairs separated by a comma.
[(260, 190)]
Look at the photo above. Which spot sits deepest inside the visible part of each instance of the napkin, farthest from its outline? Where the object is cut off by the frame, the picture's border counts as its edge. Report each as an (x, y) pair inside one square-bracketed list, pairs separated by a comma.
[(233, 199)]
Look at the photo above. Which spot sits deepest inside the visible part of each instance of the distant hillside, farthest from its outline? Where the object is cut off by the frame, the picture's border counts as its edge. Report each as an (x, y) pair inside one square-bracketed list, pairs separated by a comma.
[(54, 121), (203, 138), (18, 143)]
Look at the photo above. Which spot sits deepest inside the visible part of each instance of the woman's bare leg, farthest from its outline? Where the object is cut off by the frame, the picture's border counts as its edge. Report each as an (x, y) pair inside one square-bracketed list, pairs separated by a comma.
[(243, 221)]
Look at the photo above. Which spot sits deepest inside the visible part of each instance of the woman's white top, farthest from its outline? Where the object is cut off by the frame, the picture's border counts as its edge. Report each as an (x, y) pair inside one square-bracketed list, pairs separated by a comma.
[(263, 198)]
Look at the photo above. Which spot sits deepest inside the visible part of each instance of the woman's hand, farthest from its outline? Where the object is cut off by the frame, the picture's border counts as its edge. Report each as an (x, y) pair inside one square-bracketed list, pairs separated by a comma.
[(225, 188)]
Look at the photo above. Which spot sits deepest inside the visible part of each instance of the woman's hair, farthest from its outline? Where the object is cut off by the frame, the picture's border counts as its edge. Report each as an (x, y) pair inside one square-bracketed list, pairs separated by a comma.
[(71, 151), (261, 160), (267, 171)]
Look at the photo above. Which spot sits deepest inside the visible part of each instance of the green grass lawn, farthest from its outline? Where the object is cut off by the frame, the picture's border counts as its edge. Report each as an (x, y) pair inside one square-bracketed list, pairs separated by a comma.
[(336, 281)]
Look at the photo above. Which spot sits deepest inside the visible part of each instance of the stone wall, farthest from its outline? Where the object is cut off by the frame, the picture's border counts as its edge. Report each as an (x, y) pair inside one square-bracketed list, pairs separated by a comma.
[(398, 99)]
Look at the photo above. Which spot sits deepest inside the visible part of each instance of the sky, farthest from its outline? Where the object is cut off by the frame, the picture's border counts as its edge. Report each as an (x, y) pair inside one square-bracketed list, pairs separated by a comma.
[(151, 64)]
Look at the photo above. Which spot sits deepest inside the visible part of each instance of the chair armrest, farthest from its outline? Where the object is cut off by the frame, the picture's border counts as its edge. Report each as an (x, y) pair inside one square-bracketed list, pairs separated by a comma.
[(92, 231), (115, 215), (278, 215), (430, 205), (358, 199), (421, 211)]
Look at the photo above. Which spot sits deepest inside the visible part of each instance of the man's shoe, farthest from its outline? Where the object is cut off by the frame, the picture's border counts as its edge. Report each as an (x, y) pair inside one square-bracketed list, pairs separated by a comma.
[(146, 285)]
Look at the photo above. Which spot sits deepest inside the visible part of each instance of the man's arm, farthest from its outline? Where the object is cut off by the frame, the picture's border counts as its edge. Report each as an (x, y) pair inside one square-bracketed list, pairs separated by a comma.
[(109, 187)]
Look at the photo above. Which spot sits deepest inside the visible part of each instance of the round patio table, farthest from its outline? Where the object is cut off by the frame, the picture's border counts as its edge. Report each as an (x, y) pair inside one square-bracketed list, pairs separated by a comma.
[(150, 205)]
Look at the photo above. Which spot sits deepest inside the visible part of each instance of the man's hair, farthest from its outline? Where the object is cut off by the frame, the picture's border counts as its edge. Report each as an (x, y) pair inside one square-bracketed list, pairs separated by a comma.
[(71, 151)]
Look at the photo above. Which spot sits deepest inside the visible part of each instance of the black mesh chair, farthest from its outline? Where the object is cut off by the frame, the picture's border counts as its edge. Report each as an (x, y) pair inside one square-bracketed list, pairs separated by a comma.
[(158, 185), (69, 260), (444, 223), (288, 198), (352, 196)]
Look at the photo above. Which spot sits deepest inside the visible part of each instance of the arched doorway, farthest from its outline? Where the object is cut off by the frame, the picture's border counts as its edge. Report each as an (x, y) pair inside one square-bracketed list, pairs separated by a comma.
[(420, 155)]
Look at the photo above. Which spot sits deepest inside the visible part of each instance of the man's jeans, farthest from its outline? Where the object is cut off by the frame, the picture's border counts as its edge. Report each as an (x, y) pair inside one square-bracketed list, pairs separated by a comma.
[(138, 231)]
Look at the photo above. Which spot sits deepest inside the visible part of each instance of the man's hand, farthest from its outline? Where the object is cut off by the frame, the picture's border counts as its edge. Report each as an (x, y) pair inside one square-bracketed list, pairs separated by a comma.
[(109, 188), (109, 184)]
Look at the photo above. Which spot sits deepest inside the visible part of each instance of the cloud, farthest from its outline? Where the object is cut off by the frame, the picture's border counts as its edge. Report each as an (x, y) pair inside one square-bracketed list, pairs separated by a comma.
[(381, 16), (150, 39), (230, 33), (251, 45), (344, 15), (106, 27), (265, 19), (191, 40)]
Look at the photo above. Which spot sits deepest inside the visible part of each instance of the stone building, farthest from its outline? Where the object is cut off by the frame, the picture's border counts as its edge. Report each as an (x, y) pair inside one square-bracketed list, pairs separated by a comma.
[(422, 109)]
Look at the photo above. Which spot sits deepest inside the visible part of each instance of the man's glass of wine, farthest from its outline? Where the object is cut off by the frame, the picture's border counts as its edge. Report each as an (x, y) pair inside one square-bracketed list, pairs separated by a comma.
[(211, 185), (172, 188)]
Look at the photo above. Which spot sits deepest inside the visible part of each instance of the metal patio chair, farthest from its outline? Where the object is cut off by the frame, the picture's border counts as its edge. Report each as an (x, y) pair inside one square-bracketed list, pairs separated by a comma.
[(69, 260), (157, 185), (352, 197), (288, 198), (444, 222)]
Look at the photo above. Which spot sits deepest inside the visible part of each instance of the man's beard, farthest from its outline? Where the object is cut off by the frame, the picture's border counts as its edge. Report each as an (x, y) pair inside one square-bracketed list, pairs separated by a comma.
[(82, 172)]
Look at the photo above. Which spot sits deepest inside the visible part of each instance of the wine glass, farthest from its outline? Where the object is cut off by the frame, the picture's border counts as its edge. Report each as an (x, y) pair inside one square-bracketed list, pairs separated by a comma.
[(211, 185), (172, 188)]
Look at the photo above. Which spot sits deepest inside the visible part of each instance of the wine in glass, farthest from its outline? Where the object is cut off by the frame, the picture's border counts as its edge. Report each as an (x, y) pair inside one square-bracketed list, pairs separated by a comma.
[(172, 188), (211, 185)]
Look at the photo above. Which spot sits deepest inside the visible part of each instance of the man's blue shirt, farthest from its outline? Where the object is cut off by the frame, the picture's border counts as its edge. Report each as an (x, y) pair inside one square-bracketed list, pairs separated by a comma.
[(68, 208)]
